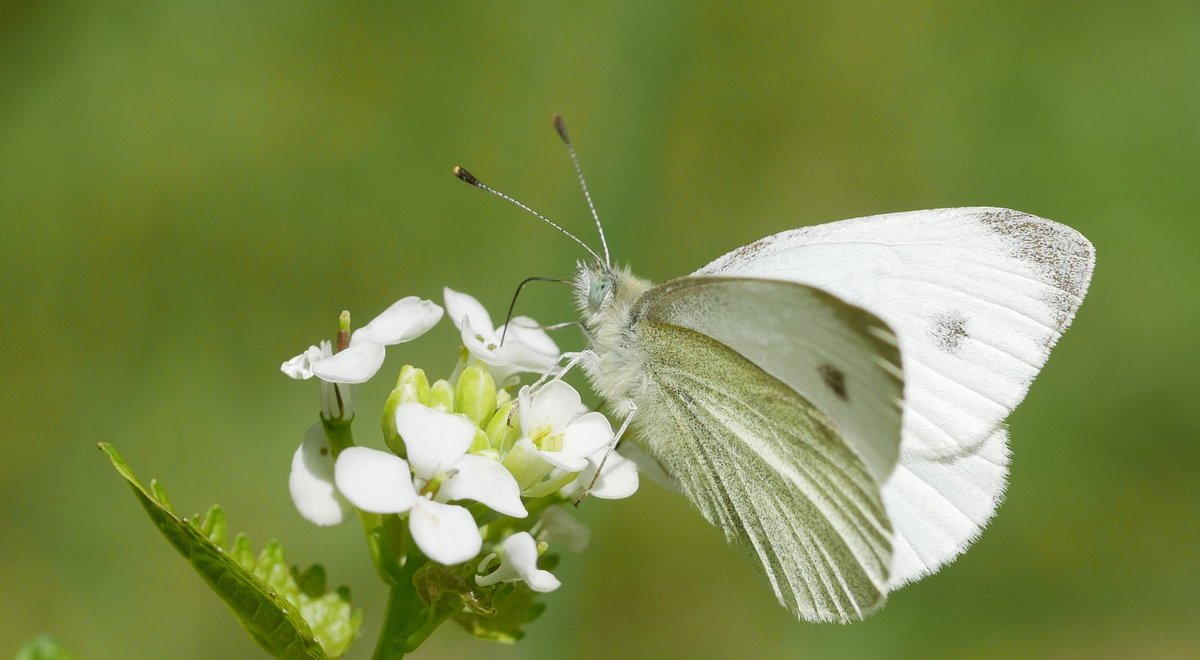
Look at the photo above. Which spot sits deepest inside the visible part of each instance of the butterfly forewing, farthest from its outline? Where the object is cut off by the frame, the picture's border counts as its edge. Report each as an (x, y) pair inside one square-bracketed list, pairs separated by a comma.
[(840, 358), (977, 296)]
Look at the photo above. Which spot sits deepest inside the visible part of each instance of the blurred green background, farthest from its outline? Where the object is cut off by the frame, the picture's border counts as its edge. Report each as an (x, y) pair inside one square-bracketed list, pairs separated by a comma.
[(190, 192)]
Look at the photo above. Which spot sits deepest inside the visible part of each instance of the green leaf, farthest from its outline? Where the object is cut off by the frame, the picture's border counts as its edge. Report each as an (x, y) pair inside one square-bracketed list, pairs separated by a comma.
[(43, 647), (501, 614), (286, 611)]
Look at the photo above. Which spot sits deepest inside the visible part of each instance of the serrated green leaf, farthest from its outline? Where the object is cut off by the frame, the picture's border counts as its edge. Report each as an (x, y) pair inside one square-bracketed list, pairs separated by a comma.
[(312, 580), (214, 526), (43, 647), (263, 593)]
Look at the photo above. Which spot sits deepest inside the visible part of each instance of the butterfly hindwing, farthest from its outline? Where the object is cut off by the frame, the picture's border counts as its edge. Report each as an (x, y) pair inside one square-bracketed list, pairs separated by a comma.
[(758, 458)]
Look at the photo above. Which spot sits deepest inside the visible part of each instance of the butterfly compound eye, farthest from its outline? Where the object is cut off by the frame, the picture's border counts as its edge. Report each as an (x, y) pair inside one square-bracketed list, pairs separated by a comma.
[(598, 292)]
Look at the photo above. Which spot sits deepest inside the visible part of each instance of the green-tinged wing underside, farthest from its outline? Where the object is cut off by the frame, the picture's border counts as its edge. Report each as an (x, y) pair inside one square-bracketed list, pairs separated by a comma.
[(770, 470), (841, 358)]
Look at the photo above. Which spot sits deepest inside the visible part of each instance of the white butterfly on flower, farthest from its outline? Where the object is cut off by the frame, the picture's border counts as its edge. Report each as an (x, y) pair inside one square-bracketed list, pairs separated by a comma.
[(833, 397)]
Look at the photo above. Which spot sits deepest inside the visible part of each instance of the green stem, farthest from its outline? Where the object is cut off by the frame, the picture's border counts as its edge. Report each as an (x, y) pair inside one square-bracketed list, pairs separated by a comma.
[(409, 620), (383, 552)]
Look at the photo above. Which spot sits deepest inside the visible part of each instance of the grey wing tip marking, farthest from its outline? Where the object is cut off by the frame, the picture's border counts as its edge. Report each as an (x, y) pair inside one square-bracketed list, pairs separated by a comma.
[(1059, 254)]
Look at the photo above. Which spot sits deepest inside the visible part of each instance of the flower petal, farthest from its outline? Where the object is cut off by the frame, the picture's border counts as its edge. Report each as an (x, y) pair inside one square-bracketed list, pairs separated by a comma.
[(300, 367), (528, 332), (444, 532), (520, 552), (513, 352), (477, 347), (462, 306), (565, 461), (484, 480), (375, 480), (618, 480), (588, 434), (311, 481), (407, 319), (434, 440), (554, 404), (354, 365)]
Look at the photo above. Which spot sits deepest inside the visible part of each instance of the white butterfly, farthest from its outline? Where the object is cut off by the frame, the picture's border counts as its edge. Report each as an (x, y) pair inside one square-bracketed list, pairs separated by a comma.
[(833, 397)]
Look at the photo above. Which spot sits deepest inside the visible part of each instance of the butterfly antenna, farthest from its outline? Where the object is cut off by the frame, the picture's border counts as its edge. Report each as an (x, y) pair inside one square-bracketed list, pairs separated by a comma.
[(513, 304), (561, 127), (467, 177)]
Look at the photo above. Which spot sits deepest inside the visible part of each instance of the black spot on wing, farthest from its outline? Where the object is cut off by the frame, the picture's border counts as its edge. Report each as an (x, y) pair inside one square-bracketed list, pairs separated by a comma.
[(834, 379), (948, 329)]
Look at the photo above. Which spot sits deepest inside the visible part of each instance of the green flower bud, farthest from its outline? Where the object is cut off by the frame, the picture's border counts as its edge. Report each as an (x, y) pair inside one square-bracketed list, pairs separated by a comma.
[(502, 397), (480, 443), (411, 387), (549, 486), (526, 466), (391, 437), (441, 396), (501, 434), (476, 394)]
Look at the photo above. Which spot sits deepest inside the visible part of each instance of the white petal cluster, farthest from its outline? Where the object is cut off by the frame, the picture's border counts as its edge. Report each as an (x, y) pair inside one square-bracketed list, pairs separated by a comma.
[(559, 441), (517, 347), (405, 320), (438, 470)]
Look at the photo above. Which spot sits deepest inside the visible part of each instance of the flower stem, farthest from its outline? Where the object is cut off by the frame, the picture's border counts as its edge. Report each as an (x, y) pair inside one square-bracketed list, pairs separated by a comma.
[(383, 554), (409, 620)]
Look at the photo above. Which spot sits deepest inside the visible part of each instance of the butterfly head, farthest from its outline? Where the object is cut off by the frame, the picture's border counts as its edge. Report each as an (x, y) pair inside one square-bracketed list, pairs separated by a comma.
[(602, 292)]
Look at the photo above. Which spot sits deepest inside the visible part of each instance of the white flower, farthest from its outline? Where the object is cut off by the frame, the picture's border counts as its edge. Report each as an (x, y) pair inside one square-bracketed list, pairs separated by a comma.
[(300, 367), (407, 319), (551, 421), (436, 443), (519, 554), (618, 480), (311, 481), (525, 349)]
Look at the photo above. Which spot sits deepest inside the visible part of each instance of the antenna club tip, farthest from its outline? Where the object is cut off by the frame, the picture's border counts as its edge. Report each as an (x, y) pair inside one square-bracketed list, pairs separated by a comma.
[(464, 175), (561, 127)]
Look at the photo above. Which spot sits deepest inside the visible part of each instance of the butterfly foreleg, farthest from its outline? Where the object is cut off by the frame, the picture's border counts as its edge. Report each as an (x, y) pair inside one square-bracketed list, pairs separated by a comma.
[(572, 360), (612, 446)]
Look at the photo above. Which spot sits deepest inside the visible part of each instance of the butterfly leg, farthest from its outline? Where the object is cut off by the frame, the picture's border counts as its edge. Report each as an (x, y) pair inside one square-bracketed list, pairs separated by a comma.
[(612, 446), (573, 360)]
